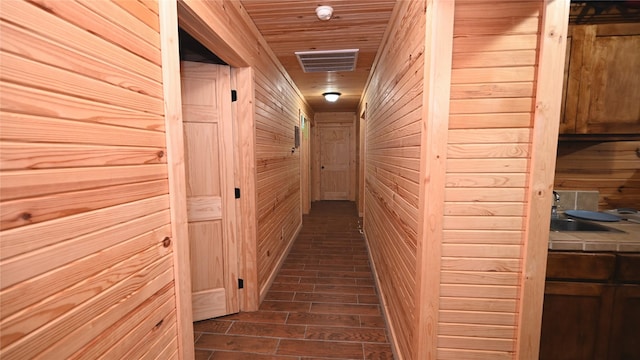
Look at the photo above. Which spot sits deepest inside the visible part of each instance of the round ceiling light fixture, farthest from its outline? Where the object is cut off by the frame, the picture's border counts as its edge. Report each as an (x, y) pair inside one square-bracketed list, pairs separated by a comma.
[(324, 12), (331, 96)]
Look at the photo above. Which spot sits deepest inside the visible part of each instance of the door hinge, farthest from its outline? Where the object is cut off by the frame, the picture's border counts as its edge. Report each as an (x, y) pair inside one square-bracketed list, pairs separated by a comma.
[(240, 283), (234, 95), (237, 193)]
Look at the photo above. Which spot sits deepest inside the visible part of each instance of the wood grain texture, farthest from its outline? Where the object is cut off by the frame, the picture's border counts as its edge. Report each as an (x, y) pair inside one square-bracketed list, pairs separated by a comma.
[(290, 26), (592, 66), (209, 145), (130, 329), (488, 175), (393, 97), (33, 210), (226, 29), (552, 45), (86, 224), (612, 168), (56, 29), (438, 104), (169, 45), (245, 168)]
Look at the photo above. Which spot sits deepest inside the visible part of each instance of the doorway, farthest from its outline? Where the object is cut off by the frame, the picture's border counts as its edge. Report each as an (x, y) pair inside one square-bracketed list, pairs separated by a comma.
[(335, 162), (209, 177)]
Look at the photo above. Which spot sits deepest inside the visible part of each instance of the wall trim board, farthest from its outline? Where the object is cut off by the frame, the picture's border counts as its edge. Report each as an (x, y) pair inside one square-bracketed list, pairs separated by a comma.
[(361, 146), (176, 173), (245, 178), (543, 149), (384, 306), (305, 162), (433, 159), (192, 17), (272, 277)]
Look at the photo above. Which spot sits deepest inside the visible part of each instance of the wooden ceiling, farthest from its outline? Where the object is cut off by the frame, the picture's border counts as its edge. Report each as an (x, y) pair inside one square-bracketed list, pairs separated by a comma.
[(292, 25)]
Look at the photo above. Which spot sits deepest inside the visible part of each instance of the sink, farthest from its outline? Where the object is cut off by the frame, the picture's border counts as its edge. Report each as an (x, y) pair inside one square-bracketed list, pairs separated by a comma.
[(566, 224)]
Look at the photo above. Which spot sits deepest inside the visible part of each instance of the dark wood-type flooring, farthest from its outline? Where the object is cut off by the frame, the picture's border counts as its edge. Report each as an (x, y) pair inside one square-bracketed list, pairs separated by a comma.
[(322, 305)]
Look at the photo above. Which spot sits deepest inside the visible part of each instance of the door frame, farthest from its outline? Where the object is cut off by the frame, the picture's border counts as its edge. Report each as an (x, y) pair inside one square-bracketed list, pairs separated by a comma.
[(321, 147), (171, 13), (305, 162), (316, 180)]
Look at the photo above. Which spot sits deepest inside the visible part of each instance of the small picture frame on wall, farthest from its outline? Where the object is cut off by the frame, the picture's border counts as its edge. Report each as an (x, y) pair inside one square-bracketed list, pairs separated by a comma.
[(296, 137)]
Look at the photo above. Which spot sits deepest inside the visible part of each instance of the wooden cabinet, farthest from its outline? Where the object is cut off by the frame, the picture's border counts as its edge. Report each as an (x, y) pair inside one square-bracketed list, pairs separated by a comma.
[(625, 321), (577, 306), (625, 324), (602, 80), (591, 306)]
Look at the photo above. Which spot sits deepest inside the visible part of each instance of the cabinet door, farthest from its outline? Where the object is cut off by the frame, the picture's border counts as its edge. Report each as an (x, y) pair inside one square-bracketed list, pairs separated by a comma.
[(571, 83), (603, 87), (625, 320), (625, 324), (575, 321)]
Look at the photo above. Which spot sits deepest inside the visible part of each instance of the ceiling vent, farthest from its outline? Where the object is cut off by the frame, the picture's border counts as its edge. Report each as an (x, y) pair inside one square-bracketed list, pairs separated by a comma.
[(332, 60)]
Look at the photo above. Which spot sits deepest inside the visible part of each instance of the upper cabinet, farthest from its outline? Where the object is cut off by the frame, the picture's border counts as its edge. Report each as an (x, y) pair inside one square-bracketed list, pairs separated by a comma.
[(602, 79)]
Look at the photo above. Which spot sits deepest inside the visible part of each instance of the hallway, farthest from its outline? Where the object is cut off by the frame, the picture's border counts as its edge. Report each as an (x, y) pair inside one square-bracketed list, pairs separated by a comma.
[(322, 305)]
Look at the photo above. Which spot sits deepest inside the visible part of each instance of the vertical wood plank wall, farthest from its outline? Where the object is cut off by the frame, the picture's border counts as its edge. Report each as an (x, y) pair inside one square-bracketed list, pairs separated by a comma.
[(611, 167), (278, 104), (86, 262), (492, 103), (393, 124)]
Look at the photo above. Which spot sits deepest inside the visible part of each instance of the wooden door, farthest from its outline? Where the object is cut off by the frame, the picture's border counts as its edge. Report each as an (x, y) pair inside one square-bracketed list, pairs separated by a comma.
[(208, 135), (335, 158)]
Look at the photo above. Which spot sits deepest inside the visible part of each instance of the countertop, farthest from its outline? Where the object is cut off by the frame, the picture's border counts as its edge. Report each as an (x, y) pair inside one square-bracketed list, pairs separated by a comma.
[(628, 241)]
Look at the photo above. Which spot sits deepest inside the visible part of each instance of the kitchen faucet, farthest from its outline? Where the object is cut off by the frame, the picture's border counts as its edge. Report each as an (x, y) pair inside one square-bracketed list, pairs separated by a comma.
[(554, 207)]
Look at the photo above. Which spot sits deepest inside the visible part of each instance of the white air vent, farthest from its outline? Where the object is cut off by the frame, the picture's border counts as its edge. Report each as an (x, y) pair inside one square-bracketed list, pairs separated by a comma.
[(332, 60)]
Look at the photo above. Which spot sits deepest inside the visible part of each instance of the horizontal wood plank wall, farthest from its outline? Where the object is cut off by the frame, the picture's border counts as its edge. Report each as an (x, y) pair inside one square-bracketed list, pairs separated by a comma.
[(491, 111), (393, 116), (86, 261), (344, 119), (611, 167), (277, 107)]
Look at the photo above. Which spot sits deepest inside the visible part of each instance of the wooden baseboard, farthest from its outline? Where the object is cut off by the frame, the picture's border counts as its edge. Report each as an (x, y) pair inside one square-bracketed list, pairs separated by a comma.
[(383, 303), (265, 288)]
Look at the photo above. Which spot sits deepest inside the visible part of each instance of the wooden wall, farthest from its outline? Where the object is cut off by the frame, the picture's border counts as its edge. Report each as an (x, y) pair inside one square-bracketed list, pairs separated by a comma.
[(392, 167), (611, 167), (86, 241), (449, 200), (278, 104), (488, 153)]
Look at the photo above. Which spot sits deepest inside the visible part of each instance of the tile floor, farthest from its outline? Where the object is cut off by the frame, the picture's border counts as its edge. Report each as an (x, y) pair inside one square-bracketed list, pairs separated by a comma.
[(322, 304)]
